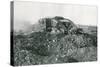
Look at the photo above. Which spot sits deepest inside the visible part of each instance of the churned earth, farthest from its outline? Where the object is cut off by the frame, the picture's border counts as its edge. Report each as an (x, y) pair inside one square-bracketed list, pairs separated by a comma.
[(55, 44)]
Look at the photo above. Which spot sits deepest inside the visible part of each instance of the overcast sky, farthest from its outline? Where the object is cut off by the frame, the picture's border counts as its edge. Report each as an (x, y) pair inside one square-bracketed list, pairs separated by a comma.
[(30, 12)]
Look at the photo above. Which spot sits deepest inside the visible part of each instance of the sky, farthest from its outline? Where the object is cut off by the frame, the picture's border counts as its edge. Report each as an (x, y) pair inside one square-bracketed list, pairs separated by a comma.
[(27, 13)]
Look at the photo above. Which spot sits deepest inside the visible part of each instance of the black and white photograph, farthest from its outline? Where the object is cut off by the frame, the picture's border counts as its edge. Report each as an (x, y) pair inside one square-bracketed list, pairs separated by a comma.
[(52, 33)]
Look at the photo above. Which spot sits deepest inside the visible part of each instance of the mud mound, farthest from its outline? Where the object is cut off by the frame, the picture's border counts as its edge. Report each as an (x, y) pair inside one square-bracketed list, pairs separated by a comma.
[(58, 41)]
